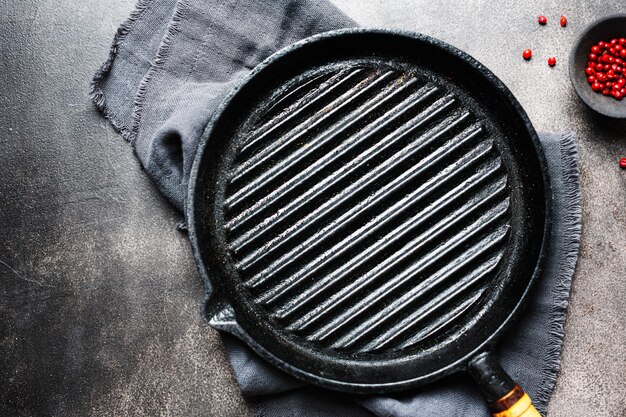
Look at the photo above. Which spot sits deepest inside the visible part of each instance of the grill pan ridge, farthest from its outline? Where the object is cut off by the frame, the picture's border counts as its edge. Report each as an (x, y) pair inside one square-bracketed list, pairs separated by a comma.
[(306, 232), (371, 210)]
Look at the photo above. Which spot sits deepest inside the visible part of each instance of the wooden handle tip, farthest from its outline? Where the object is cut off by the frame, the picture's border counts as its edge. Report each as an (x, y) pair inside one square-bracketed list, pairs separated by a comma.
[(523, 407)]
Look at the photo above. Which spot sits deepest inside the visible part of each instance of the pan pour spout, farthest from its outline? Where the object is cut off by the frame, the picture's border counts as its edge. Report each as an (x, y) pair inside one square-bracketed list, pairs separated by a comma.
[(504, 396)]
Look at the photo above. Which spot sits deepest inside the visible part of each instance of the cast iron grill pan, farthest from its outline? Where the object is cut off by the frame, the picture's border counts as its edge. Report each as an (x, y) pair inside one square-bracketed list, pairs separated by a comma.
[(370, 208)]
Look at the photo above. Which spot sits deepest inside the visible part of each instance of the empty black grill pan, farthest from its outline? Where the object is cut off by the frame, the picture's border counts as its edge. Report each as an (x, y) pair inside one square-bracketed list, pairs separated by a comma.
[(369, 211)]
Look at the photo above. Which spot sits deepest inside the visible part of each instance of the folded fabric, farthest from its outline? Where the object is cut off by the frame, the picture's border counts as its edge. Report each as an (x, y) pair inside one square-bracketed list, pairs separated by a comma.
[(171, 64)]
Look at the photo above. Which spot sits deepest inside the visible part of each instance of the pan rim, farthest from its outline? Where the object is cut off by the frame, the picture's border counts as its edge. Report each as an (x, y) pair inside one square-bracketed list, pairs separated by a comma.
[(506, 323)]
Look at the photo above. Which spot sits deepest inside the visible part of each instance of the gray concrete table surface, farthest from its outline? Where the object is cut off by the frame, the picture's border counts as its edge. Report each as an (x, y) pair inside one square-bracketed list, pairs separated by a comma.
[(99, 296)]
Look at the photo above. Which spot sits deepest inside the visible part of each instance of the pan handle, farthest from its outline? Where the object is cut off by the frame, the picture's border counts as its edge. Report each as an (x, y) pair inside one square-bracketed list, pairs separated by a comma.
[(505, 397)]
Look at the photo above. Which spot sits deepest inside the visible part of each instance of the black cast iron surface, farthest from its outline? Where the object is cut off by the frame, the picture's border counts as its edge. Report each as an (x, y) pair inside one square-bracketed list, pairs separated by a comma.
[(372, 210)]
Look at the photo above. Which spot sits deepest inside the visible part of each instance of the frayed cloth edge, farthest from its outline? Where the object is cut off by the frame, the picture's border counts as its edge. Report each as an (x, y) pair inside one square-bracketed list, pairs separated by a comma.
[(96, 93), (155, 66), (567, 266)]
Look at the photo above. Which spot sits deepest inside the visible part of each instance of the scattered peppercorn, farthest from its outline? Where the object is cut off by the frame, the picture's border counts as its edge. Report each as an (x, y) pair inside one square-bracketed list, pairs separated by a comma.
[(563, 21), (527, 54), (622, 163), (542, 20), (552, 61)]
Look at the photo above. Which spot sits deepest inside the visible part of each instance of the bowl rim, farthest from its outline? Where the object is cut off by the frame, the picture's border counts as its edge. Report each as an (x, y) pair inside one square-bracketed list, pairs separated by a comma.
[(572, 71)]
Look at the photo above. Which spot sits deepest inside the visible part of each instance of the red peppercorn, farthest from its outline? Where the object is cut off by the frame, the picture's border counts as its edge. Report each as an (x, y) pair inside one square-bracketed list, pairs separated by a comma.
[(590, 71), (552, 61), (599, 67), (542, 20), (613, 41), (563, 21), (622, 53), (591, 79), (527, 54), (622, 41), (606, 92), (622, 163), (593, 57), (595, 49), (606, 67), (621, 82), (601, 45), (617, 95), (596, 86)]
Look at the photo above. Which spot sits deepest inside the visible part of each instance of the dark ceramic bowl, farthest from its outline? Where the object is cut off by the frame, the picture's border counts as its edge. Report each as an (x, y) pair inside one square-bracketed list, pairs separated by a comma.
[(603, 29)]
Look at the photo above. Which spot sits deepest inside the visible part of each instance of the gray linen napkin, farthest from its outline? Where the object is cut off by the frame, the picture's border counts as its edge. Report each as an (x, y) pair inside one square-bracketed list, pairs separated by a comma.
[(170, 65)]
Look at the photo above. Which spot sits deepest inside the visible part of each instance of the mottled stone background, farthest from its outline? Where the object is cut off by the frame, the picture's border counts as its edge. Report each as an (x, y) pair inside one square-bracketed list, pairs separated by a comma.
[(99, 296)]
